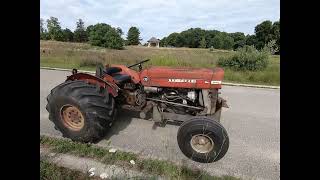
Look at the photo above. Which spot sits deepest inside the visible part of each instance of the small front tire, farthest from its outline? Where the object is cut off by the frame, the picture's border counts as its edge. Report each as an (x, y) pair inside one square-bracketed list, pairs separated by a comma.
[(203, 139)]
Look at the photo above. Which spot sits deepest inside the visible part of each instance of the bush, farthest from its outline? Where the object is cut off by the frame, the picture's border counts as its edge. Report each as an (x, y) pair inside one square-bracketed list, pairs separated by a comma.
[(104, 35), (246, 58), (272, 46)]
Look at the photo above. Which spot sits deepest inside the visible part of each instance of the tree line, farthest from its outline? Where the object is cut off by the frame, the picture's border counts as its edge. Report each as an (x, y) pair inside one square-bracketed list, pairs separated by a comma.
[(105, 35), (100, 34), (265, 32)]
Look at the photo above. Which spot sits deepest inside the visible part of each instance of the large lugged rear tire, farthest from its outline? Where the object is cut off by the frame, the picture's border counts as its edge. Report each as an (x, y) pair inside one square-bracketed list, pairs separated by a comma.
[(203, 139), (80, 111)]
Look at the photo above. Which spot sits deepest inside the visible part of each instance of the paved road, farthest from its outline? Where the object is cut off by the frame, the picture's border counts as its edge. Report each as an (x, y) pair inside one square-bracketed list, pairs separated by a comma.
[(252, 122)]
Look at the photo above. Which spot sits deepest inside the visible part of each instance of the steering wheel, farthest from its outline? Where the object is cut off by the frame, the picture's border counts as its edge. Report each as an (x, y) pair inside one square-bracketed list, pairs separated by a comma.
[(139, 64)]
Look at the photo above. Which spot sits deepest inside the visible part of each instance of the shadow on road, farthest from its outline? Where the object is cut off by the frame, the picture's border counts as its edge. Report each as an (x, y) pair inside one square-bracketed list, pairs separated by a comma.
[(125, 117)]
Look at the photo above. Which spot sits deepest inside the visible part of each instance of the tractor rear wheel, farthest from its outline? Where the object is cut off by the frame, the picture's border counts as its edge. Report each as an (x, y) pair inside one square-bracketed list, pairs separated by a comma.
[(203, 139), (81, 111)]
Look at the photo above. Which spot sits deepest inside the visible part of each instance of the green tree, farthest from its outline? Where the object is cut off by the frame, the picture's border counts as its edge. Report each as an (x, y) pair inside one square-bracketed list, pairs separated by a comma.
[(199, 38), (41, 26), (222, 41), (163, 42), (228, 42), (180, 41), (119, 31), (263, 33), (191, 37), (54, 29), (239, 39), (104, 35), (42, 29), (276, 33), (89, 28), (209, 37), (80, 34), (272, 47), (114, 39), (203, 43), (217, 41), (68, 35), (133, 36), (172, 39), (251, 40)]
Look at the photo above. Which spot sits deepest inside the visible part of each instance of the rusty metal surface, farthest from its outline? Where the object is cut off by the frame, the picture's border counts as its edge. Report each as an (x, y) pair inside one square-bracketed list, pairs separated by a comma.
[(213, 95), (109, 85), (202, 143), (173, 103), (146, 109), (72, 117), (130, 97), (223, 102), (199, 78), (109, 78), (135, 98), (157, 115), (130, 107), (125, 70)]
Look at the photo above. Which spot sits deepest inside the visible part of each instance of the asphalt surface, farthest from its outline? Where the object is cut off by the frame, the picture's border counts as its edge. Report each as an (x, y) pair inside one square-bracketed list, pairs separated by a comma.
[(252, 122)]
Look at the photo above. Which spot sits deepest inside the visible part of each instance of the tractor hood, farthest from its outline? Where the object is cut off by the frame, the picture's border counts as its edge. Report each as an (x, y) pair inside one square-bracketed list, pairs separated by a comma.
[(198, 78)]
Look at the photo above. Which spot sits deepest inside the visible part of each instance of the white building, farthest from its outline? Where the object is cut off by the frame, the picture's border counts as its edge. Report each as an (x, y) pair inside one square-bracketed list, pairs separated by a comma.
[(153, 42)]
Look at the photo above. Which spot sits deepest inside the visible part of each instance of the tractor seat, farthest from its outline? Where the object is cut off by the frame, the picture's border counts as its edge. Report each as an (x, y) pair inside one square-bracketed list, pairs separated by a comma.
[(111, 70), (121, 78)]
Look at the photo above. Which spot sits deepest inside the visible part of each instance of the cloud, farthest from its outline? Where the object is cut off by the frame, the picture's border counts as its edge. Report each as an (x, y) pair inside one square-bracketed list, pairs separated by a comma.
[(162, 17)]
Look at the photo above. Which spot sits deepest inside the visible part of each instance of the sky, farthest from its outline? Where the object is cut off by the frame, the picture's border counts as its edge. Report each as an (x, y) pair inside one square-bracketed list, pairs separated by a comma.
[(159, 18)]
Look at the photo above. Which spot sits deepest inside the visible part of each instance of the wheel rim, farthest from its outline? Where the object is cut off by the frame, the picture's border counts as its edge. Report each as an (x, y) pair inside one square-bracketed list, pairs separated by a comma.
[(72, 117), (201, 143)]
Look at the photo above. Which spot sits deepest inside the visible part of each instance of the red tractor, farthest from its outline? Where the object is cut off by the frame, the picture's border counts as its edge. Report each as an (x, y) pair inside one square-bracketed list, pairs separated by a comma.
[(84, 106)]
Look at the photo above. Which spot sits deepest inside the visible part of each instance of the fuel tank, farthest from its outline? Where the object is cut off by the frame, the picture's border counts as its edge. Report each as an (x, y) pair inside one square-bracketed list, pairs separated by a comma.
[(198, 78)]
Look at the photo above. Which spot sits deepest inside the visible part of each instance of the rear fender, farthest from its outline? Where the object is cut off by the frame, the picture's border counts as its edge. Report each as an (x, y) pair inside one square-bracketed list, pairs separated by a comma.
[(107, 84)]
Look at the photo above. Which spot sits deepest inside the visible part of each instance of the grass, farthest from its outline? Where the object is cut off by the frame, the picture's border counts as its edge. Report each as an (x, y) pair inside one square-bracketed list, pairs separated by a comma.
[(150, 166), (50, 171), (84, 56)]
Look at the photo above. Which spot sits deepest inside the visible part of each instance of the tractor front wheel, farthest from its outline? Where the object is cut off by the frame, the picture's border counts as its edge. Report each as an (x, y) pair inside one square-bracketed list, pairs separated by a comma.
[(81, 111), (203, 139)]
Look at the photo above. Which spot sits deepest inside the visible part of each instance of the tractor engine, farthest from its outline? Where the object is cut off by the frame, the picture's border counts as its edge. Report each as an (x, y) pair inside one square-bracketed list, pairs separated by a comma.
[(183, 96), (180, 101), (175, 100)]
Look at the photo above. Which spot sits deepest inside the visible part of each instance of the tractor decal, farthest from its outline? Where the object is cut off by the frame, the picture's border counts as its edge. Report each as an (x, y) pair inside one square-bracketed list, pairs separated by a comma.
[(216, 82), (183, 80)]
